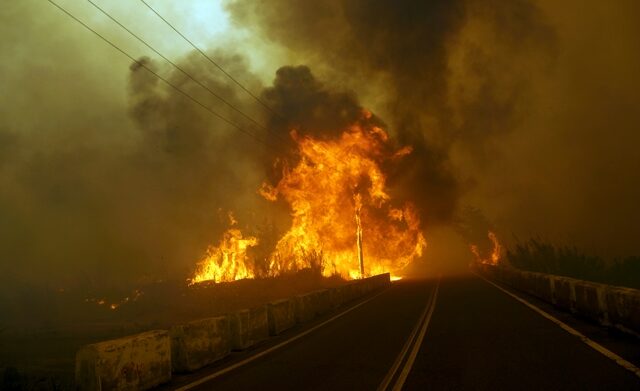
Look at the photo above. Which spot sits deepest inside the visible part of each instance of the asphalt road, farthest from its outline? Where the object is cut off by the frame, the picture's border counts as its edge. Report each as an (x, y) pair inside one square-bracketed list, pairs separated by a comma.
[(478, 338)]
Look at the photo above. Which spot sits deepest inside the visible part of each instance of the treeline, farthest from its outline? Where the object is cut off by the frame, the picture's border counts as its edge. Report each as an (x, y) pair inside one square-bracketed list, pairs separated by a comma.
[(539, 256)]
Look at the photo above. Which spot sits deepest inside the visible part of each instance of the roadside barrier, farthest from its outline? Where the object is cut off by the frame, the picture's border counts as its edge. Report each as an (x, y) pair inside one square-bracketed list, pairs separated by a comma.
[(607, 304), (199, 343), (137, 362), (146, 360)]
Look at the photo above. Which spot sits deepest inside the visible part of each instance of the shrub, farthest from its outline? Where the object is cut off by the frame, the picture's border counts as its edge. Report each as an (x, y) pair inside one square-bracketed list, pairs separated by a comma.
[(539, 256)]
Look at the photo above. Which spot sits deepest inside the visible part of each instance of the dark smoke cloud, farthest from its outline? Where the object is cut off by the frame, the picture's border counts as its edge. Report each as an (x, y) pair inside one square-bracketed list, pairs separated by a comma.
[(107, 175), (305, 104), (527, 110), (302, 102), (407, 48), (112, 182)]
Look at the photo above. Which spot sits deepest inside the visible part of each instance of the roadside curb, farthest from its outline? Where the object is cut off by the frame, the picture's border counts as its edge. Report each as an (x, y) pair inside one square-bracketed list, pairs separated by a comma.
[(146, 360)]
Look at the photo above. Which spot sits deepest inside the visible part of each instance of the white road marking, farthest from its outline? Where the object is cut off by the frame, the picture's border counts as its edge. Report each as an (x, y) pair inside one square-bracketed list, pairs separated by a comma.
[(596, 346), (271, 349), (394, 368), (416, 346), (412, 343)]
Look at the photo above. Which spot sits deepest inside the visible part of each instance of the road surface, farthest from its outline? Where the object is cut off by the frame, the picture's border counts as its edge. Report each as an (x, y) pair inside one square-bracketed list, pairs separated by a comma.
[(463, 334)]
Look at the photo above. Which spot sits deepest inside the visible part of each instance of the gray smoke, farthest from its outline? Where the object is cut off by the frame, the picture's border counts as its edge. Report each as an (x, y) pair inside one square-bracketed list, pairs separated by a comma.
[(522, 109)]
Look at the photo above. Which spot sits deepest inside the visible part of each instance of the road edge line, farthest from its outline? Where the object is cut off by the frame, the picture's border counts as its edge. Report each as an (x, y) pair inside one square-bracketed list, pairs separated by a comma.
[(247, 360), (589, 342)]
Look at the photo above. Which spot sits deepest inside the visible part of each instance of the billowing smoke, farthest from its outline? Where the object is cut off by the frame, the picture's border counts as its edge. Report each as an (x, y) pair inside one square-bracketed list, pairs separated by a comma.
[(526, 110), (429, 69), (107, 175), (519, 108)]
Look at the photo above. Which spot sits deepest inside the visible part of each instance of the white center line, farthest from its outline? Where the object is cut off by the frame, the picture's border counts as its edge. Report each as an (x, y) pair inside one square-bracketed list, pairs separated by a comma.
[(416, 346), (413, 343)]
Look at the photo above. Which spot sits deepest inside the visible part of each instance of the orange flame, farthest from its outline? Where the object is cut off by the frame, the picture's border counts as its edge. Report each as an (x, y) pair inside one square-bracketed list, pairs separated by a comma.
[(496, 252), (115, 305), (333, 181), (497, 248), (228, 261)]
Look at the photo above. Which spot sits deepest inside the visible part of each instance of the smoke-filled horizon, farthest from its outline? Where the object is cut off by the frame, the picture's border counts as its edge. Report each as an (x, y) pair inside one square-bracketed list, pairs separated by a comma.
[(518, 109)]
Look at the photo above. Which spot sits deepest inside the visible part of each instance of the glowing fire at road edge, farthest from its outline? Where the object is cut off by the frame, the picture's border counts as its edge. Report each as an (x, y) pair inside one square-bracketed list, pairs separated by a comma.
[(496, 252)]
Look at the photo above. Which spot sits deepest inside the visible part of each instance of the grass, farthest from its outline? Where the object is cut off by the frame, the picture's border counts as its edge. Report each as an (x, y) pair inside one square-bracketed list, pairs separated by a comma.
[(539, 256)]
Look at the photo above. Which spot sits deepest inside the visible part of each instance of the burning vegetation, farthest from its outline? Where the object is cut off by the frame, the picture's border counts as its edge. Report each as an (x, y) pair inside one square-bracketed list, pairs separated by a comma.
[(114, 304), (344, 221), (496, 251), (228, 261)]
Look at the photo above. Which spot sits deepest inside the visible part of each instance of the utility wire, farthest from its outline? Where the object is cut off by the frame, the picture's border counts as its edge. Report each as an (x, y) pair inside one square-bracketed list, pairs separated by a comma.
[(190, 97), (212, 61), (187, 74), (139, 63)]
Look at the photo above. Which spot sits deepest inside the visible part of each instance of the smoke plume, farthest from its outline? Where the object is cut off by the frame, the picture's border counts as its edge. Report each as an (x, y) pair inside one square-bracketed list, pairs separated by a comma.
[(526, 110), (522, 109)]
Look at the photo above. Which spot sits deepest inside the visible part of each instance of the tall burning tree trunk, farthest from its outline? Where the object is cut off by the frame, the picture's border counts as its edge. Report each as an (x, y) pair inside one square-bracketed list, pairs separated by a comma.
[(359, 234)]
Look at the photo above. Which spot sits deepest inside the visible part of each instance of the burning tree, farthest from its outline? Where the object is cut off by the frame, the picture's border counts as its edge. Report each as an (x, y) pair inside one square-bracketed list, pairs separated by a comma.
[(340, 208), (496, 251)]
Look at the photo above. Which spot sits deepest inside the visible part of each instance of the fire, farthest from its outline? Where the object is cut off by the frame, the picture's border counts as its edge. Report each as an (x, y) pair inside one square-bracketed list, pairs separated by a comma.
[(135, 295), (343, 219), (496, 252), (228, 261), (358, 202), (497, 248), (340, 208)]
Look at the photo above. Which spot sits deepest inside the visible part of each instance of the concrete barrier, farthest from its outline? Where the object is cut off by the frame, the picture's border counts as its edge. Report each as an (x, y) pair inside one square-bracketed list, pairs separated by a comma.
[(366, 285), (146, 360), (362, 287), (588, 302), (336, 298), (341, 294), (623, 307), (248, 327), (281, 315), (564, 292), (304, 310), (378, 281), (321, 302), (358, 288), (609, 305), (199, 343), (312, 305), (541, 285), (138, 362), (350, 291)]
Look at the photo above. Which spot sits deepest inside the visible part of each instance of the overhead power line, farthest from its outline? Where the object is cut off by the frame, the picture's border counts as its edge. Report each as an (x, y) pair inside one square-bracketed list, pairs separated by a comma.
[(214, 63), (182, 70), (141, 64), (218, 66), (266, 106)]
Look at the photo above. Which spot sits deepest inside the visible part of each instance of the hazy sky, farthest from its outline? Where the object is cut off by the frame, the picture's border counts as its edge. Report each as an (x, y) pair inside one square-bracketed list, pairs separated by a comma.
[(527, 110)]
